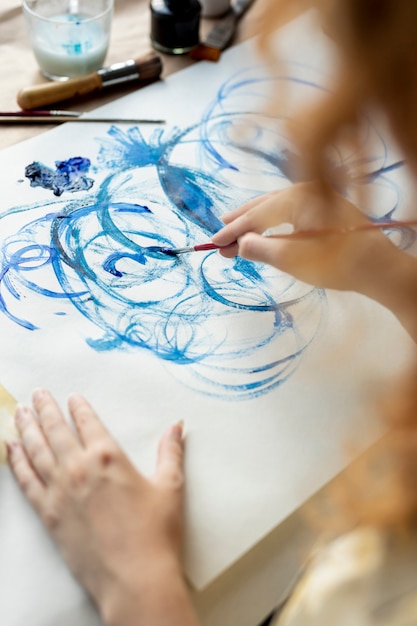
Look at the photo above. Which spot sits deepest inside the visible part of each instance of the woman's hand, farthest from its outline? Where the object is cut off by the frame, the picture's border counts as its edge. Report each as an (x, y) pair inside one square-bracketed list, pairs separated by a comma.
[(119, 532), (335, 260), (365, 261)]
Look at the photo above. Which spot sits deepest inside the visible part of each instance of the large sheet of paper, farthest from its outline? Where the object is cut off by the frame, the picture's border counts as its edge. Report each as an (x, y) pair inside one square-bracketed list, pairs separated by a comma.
[(272, 377)]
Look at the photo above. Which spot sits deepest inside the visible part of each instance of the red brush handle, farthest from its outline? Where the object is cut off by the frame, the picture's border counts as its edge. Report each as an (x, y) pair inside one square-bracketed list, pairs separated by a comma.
[(205, 246)]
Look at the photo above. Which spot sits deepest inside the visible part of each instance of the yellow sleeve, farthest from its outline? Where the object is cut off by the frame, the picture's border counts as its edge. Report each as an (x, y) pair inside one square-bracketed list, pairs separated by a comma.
[(335, 589), (8, 431)]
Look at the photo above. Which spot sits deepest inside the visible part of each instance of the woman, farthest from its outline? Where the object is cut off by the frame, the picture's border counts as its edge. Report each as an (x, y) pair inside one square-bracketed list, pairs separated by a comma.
[(127, 554)]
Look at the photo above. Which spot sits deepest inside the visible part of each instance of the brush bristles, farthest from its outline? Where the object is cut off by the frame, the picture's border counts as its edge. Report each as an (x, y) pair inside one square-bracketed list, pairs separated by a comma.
[(149, 67), (175, 251)]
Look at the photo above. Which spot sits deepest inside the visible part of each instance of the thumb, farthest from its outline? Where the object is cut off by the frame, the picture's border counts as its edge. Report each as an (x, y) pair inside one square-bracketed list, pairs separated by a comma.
[(254, 247), (170, 461)]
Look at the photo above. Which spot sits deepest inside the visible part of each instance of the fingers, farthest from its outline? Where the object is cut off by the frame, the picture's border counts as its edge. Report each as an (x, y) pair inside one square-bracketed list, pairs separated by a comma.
[(232, 215), (36, 447), (229, 251), (248, 221), (170, 462), (58, 434), (26, 476), (283, 255), (87, 422), (257, 248), (270, 211)]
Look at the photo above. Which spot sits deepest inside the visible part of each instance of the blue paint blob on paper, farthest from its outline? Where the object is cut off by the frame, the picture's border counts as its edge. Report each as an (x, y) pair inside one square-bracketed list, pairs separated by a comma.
[(68, 176)]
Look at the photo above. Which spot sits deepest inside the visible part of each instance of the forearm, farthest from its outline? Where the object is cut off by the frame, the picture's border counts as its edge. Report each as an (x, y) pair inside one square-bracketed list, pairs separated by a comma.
[(160, 599)]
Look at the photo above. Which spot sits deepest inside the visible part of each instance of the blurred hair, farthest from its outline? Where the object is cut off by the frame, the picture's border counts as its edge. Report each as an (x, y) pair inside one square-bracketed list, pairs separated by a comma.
[(378, 44), (378, 47), (379, 488)]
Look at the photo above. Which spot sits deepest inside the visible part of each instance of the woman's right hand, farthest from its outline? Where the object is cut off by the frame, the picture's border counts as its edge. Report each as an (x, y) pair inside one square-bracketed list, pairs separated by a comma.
[(339, 260)]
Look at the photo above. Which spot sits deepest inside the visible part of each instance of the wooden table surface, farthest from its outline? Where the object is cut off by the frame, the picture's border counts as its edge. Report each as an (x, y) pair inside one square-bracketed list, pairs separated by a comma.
[(129, 39)]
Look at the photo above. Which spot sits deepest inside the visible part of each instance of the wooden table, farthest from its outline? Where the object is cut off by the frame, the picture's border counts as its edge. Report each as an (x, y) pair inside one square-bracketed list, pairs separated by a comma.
[(129, 39)]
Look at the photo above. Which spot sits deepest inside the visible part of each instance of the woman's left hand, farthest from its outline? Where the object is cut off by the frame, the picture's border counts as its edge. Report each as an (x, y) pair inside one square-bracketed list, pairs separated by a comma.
[(116, 529)]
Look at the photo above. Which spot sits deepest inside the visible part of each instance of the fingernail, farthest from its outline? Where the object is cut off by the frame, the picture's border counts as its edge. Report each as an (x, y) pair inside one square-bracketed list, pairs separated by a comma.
[(38, 394), (177, 431), (75, 397), (21, 414)]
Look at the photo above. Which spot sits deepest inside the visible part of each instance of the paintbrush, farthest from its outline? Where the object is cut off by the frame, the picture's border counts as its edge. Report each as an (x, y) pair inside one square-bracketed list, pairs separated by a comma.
[(141, 70), (222, 33), (301, 234), (199, 248), (58, 117)]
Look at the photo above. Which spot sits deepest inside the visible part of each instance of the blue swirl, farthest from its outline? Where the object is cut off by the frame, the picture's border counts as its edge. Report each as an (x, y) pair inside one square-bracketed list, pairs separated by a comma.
[(227, 328)]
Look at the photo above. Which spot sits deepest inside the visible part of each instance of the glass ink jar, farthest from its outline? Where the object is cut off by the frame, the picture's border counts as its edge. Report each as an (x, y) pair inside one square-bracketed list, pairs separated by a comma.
[(69, 37), (175, 25)]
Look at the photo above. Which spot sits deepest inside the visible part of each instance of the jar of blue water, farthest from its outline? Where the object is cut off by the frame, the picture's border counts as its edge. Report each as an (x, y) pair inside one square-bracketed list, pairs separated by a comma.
[(68, 37)]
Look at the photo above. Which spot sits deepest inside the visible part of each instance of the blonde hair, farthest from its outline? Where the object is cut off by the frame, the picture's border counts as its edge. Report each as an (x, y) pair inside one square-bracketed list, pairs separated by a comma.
[(378, 45)]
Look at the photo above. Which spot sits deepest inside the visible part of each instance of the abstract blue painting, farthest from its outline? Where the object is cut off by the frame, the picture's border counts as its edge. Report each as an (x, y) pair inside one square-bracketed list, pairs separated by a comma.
[(231, 329)]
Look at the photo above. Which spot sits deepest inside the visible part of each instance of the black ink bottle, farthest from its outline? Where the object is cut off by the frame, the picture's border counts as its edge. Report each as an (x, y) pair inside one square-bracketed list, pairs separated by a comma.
[(175, 25)]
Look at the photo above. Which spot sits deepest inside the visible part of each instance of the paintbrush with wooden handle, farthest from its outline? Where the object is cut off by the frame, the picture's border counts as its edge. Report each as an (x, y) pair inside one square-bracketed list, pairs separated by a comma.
[(143, 70)]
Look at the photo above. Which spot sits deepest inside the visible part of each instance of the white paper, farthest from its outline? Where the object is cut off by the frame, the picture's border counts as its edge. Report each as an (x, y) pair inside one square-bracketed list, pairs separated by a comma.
[(261, 437)]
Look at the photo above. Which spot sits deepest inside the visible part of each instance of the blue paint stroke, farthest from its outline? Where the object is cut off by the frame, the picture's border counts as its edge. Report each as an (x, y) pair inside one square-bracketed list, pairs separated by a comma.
[(192, 192), (68, 175), (226, 328)]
